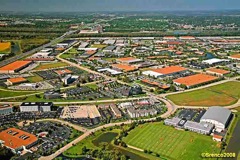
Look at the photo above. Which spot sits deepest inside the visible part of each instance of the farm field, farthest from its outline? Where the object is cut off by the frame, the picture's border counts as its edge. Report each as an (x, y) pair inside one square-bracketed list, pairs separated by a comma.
[(5, 47), (51, 65), (220, 95), (170, 143)]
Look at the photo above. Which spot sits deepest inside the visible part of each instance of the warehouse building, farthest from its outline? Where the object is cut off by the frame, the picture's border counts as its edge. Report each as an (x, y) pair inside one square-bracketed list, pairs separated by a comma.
[(218, 116)]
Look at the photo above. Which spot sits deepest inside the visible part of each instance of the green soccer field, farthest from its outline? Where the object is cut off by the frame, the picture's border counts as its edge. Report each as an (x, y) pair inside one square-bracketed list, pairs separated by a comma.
[(171, 143), (220, 95)]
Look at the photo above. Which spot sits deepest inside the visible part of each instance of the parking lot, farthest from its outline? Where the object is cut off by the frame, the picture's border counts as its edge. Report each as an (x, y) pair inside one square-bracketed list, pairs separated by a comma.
[(51, 135)]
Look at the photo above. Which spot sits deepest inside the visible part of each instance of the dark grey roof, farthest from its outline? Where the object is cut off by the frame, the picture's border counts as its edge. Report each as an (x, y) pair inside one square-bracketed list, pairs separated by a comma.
[(218, 114)]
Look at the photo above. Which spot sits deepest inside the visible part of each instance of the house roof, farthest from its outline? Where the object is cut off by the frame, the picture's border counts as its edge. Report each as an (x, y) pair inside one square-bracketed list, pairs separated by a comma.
[(15, 65), (169, 70), (195, 79), (15, 138), (17, 80)]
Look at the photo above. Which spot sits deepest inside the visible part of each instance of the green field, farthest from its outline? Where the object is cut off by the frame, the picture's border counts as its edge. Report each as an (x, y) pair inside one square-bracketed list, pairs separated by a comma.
[(51, 65), (220, 95), (9, 93), (171, 143), (96, 142), (35, 78)]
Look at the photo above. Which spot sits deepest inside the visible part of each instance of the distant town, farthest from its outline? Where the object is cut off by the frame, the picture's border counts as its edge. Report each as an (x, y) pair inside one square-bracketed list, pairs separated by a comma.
[(119, 86)]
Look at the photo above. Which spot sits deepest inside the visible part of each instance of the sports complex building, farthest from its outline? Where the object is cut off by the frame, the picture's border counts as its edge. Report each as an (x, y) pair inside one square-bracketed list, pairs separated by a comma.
[(217, 118)]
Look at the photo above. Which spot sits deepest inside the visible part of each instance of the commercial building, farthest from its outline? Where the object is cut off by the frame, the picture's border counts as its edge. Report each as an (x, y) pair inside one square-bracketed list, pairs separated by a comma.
[(129, 60), (167, 71), (52, 95), (18, 80), (214, 61), (217, 72), (17, 140), (202, 128), (218, 116), (36, 106), (63, 72), (6, 109), (116, 111), (194, 80), (109, 49), (81, 112), (135, 113), (172, 122), (15, 66), (124, 67)]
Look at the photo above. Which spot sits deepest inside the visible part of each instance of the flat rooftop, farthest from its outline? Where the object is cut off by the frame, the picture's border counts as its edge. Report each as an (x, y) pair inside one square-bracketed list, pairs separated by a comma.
[(15, 65), (124, 67), (195, 79), (15, 138), (169, 70)]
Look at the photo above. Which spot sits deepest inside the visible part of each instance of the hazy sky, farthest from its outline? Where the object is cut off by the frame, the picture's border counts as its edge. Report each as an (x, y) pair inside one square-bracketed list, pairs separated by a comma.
[(116, 5)]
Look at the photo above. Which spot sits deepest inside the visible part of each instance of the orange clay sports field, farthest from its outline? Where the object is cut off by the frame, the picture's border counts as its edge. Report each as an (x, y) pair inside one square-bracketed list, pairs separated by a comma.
[(220, 95), (5, 47)]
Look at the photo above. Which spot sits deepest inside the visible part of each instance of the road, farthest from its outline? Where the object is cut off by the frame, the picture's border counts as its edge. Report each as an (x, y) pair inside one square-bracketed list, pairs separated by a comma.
[(20, 56), (87, 133)]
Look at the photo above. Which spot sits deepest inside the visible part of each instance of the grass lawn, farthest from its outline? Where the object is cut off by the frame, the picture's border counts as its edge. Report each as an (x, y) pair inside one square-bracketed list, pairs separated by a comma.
[(99, 46), (220, 95), (51, 65), (94, 142), (35, 79), (171, 143), (5, 94), (93, 86)]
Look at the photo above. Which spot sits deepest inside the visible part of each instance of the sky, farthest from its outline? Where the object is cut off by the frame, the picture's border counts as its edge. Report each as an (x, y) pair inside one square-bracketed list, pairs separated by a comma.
[(116, 5)]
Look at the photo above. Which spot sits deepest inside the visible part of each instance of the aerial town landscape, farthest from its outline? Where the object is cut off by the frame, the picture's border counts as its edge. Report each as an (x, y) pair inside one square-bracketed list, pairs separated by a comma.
[(119, 84)]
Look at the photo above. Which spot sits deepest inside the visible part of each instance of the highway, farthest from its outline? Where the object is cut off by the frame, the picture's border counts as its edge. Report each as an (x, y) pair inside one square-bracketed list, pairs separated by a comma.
[(28, 53)]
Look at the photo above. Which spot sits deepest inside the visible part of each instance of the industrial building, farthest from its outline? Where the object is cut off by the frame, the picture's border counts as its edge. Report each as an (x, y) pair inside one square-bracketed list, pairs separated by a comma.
[(218, 116)]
